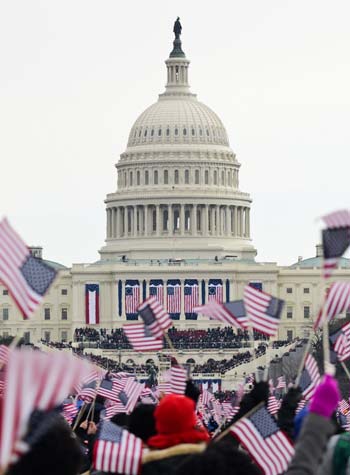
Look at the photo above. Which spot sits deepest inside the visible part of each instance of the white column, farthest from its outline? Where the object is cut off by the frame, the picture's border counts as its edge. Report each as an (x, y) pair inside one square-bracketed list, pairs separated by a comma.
[(141, 220), (248, 222), (194, 221), (205, 220), (182, 220), (135, 220), (157, 220), (125, 221), (229, 222), (170, 219), (108, 233), (117, 227), (145, 211)]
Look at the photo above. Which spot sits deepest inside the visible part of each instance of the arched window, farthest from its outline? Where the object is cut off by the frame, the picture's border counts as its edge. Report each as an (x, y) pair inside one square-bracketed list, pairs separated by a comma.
[(145, 133), (200, 132), (166, 177), (152, 132), (223, 177), (138, 177), (176, 177), (193, 131), (184, 131), (176, 131), (215, 177), (165, 220), (206, 177), (155, 177), (130, 178), (125, 180), (187, 177), (146, 177), (196, 177), (159, 132), (168, 132)]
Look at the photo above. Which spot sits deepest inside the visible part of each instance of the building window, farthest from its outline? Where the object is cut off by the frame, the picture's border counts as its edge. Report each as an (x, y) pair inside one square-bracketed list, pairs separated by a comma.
[(307, 312), (145, 134), (223, 177), (215, 177), (64, 291), (64, 314), (5, 292), (167, 132), (165, 220), (154, 221), (166, 177), (155, 177), (193, 132), (138, 177), (5, 313), (184, 131), (64, 336), (229, 178), (289, 335), (206, 177), (187, 220), (187, 177), (306, 290), (289, 312), (289, 290), (146, 177), (130, 178), (152, 132), (176, 131), (176, 177), (207, 133), (47, 336), (196, 177), (47, 314), (140, 133), (159, 132), (200, 132)]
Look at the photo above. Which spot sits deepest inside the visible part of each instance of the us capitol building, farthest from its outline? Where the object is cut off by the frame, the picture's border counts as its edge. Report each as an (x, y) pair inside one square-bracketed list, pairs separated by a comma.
[(178, 227)]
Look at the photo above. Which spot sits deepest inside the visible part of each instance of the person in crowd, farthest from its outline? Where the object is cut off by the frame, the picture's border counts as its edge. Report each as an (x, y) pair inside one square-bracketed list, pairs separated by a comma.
[(177, 436)]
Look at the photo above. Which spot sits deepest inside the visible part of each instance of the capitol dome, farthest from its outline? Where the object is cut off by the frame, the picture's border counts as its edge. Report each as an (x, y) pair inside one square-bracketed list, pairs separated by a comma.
[(181, 120), (178, 190)]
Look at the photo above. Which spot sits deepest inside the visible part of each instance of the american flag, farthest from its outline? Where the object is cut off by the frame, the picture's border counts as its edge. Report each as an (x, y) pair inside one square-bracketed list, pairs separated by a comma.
[(264, 441), (4, 354), (116, 450), (300, 406), (26, 277), (163, 388), (335, 239), (344, 407), (207, 397), (174, 298), (191, 291), (109, 389), (155, 318), (229, 410), (281, 382), (132, 298), (273, 405), (156, 290), (337, 301), (215, 291), (69, 411), (232, 313), (141, 339), (88, 391), (263, 310), (310, 377), (342, 347), (130, 394), (33, 380), (178, 377)]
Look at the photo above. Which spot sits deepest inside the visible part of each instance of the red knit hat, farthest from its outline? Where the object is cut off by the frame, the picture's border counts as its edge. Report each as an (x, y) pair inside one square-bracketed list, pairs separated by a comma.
[(175, 423)]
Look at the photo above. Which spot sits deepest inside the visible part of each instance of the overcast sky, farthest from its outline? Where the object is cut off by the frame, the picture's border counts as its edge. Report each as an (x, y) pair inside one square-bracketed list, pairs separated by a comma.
[(75, 75)]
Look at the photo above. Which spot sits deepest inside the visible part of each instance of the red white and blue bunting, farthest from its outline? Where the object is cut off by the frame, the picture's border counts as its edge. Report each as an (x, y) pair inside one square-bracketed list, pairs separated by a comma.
[(92, 304), (132, 299), (174, 298), (215, 290), (156, 289)]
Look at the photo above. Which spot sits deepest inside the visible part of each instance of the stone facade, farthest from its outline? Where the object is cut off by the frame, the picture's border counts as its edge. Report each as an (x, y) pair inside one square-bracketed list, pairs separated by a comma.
[(177, 213)]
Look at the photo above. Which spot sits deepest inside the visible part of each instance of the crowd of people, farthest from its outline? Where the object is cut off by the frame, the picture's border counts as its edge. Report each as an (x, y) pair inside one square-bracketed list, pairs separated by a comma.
[(211, 338)]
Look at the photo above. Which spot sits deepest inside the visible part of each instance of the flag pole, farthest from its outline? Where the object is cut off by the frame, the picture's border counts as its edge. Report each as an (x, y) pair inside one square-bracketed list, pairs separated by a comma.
[(345, 369)]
